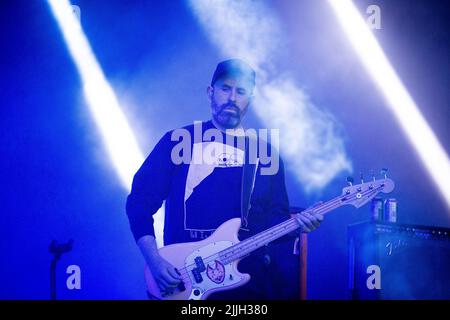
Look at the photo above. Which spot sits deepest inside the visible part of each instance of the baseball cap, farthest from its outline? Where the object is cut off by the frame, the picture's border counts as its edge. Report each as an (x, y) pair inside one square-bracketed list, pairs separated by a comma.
[(234, 68)]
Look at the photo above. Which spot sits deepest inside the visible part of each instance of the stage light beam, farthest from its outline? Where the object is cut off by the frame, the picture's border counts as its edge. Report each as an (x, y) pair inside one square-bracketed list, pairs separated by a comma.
[(400, 102), (116, 133), (102, 101)]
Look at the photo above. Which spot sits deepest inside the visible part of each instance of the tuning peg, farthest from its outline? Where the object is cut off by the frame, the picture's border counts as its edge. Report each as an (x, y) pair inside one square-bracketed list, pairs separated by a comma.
[(384, 172), (361, 177), (373, 175), (350, 180)]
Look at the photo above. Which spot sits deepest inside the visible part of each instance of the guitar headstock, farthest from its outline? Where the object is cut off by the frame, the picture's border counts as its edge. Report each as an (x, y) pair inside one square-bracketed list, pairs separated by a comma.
[(360, 194)]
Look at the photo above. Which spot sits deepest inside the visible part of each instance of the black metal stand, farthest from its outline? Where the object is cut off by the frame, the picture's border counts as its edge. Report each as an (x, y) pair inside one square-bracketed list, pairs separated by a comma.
[(57, 250)]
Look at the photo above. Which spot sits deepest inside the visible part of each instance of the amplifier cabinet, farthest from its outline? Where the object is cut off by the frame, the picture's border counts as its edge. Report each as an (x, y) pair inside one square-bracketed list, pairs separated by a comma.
[(398, 261)]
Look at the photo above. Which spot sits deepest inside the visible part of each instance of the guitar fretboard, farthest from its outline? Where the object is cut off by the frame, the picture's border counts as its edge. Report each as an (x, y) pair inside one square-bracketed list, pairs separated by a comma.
[(252, 243)]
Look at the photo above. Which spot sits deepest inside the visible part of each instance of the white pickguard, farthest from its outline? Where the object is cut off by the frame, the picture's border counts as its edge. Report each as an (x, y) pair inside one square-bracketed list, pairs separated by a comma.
[(215, 271)]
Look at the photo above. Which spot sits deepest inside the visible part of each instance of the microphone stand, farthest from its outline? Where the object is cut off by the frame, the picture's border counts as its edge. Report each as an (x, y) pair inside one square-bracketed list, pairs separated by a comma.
[(57, 250)]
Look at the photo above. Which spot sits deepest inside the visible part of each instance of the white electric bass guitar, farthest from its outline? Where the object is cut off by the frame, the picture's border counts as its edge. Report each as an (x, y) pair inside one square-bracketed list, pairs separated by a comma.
[(210, 265)]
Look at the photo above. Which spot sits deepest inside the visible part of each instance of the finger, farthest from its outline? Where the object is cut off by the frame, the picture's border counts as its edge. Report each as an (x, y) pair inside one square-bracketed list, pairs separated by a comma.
[(319, 216), (173, 273), (163, 284), (171, 282), (312, 218), (166, 292), (169, 278), (163, 292), (168, 282), (303, 227), (306, 221)]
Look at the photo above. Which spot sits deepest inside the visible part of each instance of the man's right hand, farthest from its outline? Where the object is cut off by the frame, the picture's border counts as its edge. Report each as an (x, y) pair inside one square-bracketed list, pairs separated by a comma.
[(165, 275)]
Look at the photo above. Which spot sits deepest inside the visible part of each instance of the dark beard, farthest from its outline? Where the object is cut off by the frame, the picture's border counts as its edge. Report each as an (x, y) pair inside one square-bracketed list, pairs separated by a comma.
[(226, 119)]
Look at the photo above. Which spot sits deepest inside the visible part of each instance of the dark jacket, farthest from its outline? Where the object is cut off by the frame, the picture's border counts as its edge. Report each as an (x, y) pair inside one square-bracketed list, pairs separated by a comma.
[(193, 210)]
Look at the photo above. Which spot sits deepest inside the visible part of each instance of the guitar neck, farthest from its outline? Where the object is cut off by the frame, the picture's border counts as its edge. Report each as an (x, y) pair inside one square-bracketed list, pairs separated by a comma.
[(252, 243)]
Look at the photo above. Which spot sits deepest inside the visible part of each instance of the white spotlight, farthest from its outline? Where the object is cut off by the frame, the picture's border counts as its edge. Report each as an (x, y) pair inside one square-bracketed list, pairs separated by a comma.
[(117, 135), (399, 100)]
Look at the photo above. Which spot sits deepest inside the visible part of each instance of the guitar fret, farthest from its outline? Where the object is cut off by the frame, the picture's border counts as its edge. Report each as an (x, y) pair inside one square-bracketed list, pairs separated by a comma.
[(248, 245)]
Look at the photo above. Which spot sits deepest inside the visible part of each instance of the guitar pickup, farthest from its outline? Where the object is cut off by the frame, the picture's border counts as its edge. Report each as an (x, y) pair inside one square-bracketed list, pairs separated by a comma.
[(199, 263), (197, 276)]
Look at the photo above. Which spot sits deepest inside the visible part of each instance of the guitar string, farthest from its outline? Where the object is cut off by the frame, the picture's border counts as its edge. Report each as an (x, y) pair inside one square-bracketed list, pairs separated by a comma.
[(263, 236), (288, 223), (213, 256), (245, 247), (247, 244), (325, 208)]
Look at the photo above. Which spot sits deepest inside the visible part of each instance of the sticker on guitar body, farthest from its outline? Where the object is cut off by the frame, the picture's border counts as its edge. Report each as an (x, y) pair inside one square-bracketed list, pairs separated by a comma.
[(206, 261), (216, 274)]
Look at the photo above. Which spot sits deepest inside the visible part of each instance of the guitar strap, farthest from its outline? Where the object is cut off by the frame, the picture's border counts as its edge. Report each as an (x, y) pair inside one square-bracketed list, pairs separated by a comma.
[(248, 181)]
